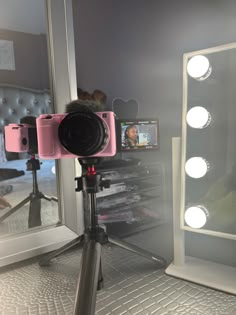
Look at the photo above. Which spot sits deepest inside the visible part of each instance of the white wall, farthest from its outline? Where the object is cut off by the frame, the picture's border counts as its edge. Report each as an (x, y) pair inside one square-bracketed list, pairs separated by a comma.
[(24, 23), (31, 60), (23, 16), (134, 48)]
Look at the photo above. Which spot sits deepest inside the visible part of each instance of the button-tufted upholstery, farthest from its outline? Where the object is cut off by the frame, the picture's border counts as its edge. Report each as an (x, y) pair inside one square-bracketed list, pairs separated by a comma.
[(17, 102)]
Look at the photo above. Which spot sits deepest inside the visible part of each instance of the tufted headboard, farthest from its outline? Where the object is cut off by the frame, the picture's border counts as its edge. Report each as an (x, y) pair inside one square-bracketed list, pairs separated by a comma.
[(17, 102)]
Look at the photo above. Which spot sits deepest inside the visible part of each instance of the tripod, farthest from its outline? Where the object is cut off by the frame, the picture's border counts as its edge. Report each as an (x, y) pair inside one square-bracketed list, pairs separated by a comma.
[(34, 197), (91, 278)]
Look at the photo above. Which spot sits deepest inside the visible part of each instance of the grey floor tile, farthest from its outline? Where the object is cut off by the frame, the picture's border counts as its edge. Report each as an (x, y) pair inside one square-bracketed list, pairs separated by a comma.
[(132, 286)]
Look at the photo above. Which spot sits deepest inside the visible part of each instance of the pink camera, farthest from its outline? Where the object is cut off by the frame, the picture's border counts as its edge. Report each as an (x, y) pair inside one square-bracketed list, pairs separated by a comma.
[(76, 135), (17, 137)]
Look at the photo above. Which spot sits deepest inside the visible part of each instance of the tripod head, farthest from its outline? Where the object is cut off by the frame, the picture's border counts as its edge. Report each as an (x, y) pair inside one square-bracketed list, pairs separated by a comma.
[(90, 181), (33, 164)]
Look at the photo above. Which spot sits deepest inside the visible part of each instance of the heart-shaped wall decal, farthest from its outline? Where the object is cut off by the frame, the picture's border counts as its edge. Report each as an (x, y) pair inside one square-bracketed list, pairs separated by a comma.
[(125, 109)]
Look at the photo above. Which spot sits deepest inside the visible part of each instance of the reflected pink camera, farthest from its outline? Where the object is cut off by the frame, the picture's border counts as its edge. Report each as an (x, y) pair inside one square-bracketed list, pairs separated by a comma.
[(76, 134), (17, 137)]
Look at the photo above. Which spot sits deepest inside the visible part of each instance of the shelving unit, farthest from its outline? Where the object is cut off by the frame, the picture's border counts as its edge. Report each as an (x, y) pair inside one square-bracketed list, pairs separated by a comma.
[(134, 200)]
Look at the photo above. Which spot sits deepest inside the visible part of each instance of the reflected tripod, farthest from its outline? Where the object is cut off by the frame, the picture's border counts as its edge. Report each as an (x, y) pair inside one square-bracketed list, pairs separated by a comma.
[(91, 278), (34, 197)]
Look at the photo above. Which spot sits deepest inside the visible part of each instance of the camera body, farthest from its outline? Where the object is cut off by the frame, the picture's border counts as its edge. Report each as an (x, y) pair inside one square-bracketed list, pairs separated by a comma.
[(49, 141), (17, 137)]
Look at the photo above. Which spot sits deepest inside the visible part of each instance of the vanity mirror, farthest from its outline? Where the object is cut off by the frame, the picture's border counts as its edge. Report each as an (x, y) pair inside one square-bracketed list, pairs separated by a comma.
[(208, 143), (25, 91), (204, 190), (37, 75)]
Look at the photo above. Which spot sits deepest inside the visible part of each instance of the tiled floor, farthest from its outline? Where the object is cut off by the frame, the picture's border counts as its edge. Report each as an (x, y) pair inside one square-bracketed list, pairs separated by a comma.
[(132, 286)]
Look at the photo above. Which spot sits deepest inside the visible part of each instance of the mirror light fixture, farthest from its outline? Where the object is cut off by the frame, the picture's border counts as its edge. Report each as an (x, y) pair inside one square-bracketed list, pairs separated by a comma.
[(196, 216), (198, 117), (199, 67), (197, 167)]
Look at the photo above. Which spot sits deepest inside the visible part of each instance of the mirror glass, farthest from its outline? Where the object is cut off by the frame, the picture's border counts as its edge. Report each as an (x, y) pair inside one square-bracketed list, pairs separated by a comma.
[(210, 122), (28, 187)]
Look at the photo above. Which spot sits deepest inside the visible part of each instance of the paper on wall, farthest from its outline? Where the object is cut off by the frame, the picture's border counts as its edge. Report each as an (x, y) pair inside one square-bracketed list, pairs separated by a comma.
[(7, 58)]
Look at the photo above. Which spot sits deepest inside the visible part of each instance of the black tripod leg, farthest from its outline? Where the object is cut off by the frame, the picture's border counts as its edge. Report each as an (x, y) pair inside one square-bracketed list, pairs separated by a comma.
[(14, 209), (45, 261), (85, 299), (134, 249), (49, 198), (34, 212), (100, 277)]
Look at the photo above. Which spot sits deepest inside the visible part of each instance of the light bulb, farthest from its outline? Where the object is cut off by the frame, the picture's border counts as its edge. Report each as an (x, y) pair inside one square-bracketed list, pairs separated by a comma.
[(53, 169), (196, 216), (196, 167), (199, 67), (198, 117)]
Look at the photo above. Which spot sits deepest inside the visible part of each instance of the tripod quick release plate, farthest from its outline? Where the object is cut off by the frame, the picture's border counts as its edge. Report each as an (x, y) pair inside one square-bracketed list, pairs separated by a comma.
[(33, 165), (91, 184)]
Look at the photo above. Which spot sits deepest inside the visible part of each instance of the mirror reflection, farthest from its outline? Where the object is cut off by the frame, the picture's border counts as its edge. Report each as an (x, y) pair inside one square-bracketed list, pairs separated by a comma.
[(210, 190), (28, 187)]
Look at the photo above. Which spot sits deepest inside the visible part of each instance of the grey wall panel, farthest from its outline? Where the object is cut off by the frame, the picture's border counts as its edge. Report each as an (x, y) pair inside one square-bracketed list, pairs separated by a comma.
[(133, 49)]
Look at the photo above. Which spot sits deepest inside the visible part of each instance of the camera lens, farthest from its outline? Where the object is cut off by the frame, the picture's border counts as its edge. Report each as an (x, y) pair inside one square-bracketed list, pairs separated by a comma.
[(24, 141), (82, 133)]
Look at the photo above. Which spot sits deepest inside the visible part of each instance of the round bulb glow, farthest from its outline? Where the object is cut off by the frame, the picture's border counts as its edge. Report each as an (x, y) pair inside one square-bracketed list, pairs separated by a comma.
[(199, 67), (53, 169), (198, 117), (196, 167), (196, 217)]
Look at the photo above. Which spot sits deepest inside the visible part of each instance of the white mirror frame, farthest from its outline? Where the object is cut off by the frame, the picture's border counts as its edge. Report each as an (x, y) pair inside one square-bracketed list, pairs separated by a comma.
[(63, 71), (186, 57), (204, 272)]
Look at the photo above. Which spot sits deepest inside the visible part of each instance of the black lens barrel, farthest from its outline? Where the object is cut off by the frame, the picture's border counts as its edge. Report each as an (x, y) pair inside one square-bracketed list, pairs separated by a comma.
[(82, 133)]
